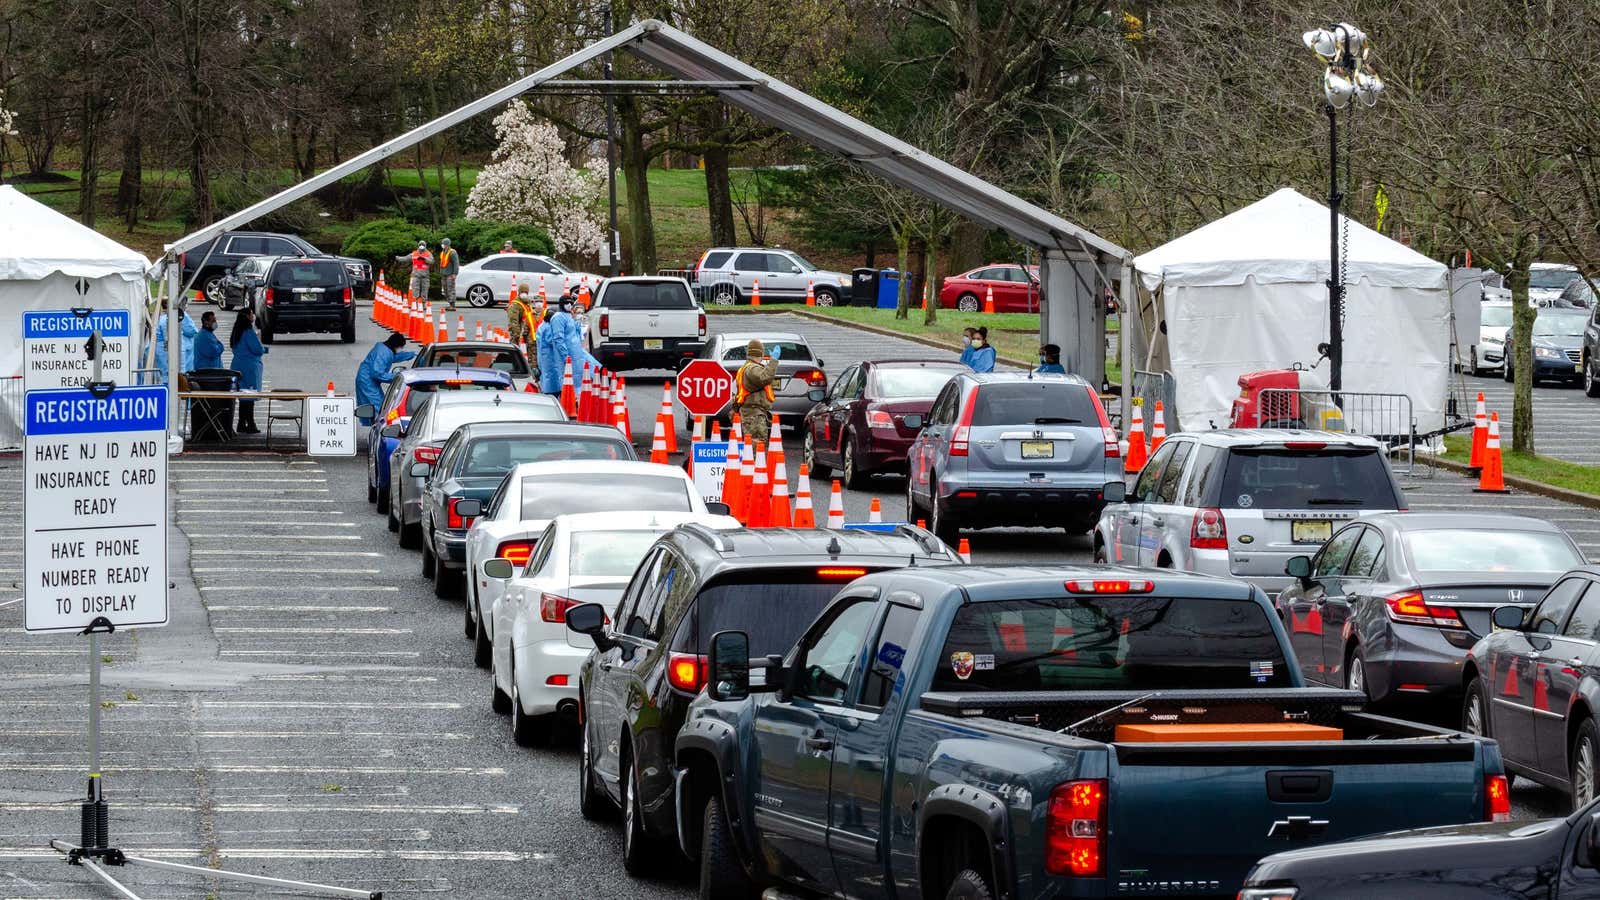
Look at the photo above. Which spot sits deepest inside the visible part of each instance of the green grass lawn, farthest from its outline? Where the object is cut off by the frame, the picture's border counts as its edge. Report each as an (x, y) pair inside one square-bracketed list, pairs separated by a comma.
[(1543, 469)]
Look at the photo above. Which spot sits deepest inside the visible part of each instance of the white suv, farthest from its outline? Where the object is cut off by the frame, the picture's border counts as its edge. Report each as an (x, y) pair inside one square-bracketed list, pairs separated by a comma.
[(728, 275)]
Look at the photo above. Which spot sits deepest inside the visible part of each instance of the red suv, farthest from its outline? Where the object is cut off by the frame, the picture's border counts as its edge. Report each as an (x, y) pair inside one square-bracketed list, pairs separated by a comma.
[(868, 421), (1015, 289)]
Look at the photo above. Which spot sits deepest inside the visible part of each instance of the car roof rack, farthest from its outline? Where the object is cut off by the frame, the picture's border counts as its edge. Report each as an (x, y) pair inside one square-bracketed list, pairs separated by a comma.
[(923, 538), (708, 534)]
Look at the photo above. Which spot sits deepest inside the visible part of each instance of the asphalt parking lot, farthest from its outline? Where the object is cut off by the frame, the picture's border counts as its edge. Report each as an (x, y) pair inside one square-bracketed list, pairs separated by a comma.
[(1566, 423), (313, 712)]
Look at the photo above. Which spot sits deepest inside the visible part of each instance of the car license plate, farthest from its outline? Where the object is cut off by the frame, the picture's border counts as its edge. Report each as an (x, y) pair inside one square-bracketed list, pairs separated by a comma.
[(1038, 449), (1310, 531), (652, 343)]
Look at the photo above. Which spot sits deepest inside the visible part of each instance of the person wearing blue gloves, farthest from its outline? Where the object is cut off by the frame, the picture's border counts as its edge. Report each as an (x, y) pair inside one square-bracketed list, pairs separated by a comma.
[(1050, 361), (247, 354), (568, 344), (976, 354), (374, 372), (207, 347), (186, 331), (544, 351)]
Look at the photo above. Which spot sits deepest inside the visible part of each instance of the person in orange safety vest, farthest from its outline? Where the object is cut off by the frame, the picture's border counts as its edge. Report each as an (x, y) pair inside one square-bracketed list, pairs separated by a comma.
[(753, 393)]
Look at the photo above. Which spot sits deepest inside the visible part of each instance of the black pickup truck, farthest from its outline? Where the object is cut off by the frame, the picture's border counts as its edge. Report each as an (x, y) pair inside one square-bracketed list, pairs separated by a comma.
[(1030, 732)]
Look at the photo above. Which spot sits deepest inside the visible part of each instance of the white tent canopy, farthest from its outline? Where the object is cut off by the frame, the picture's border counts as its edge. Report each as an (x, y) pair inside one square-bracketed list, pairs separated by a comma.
[(48, 261), (1249, 292)]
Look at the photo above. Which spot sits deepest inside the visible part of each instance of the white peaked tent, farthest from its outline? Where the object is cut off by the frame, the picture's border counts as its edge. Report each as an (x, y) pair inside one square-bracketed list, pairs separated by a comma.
[(48, 261), (1249, 292)]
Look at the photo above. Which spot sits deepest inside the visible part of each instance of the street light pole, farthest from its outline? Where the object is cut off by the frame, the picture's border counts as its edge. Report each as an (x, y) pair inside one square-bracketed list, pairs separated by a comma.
[(612, 248), (1335, 276)]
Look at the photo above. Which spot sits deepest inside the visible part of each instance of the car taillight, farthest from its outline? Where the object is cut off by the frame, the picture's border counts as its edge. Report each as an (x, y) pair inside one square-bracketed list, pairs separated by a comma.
[(686, 672), (1110, 587), (1496, 798), (516, 552), (1107, 433), (840, 572), (426, 454), (702, 324), (813, 377), (1410, 607), (348, 296), (605, 324), (1209, 530), (267, 297), (1075, 829), (963, 432), (1305, 445), (454, 519), (877, 418), (553, 607)]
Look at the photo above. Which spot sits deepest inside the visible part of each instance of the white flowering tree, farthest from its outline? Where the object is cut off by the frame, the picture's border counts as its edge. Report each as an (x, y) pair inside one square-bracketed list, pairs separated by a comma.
[(7, 118), (529, 180)]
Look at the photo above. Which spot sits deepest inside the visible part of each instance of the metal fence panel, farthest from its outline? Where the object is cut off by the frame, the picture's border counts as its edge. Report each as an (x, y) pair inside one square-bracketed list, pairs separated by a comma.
[(1153, 386), (1383, 417), (11, 426)]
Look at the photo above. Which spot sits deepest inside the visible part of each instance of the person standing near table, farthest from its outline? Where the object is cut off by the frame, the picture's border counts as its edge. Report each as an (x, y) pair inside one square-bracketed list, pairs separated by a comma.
[(207, 346), (186, 331), (247, 354), (978, 355)]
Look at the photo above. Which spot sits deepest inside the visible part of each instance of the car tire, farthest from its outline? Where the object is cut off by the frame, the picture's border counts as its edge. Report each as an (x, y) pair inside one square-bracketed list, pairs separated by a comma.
[(482, 647), (347, 333), (1472, 361), (725, 295), (1355, 673), (913, 512), (1584, 764), (721, 875), (410, 536), (944, 526), (593, 804), (213, 290), (1506, 371), (430, 563), (499, 700), (480, 297), (808, 454), (1591, 384), (1101, 557), (388, 508), (446, 581), (854, 478), (968, 303), (969, 884), (266, 334), (469, 625), (638, 850), (1475, 709), (826, 296), (372, 493), (526, 730)]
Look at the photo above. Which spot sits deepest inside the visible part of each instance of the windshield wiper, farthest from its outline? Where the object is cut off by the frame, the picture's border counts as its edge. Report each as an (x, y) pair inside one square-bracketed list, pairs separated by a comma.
[(1334, 501), (1056, 420)]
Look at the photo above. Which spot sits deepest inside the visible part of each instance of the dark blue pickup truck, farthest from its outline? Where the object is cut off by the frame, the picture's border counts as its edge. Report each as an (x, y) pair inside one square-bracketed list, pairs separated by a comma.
[(1022, 732)]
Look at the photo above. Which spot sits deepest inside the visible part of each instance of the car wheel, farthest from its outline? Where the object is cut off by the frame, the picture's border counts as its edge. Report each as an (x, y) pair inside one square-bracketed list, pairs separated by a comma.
[(809, 454), (1474, 711), (638, 851), (968, 303), (1506, 372), (1585, 757), (1355, 674), (593, 804), (430, 564), (266, 334), (213, 290), (826, 297), (721, 875), (347, 333), (969, 885), (912, 512), (1100, 555), (526, 730), (1591, 385), (388, 510), (1473, 360), (410, 536), (499, 700), (482, 647), (480, 297), (469, 624), (854, 478), (446, 581), (944, 526), (372, 493), (724, 295)]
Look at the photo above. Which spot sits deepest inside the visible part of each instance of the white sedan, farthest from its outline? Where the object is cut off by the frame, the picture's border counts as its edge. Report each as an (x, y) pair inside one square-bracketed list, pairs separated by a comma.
[(581, 558), (534, 493), (487, 282)]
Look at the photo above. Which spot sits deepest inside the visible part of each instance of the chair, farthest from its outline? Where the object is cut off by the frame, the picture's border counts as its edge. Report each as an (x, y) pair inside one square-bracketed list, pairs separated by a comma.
[(286, 410)]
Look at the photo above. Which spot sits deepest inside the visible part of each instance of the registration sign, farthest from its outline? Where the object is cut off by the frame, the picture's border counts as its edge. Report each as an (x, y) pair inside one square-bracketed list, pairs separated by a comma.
[(710, 460), (331, 426), (53, 343), (95, 508)]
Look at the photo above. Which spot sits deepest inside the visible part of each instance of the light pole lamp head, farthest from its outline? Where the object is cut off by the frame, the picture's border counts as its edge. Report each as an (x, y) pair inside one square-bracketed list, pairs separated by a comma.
[(1351, 40), (1321, 42), (1368, 87), (1337, 88)]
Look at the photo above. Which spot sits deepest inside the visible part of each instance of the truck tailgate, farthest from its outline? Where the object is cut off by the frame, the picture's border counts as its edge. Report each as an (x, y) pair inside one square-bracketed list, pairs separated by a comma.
[(652, 323), (1202, 814)]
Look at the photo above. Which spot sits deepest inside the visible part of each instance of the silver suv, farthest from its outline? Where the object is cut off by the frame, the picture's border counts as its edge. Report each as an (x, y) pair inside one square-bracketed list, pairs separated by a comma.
[(727, 275), (1241, 502)]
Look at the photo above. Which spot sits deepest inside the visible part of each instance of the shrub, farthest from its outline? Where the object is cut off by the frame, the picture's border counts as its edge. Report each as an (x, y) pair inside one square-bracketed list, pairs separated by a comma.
[(475, 238), (381, 240)]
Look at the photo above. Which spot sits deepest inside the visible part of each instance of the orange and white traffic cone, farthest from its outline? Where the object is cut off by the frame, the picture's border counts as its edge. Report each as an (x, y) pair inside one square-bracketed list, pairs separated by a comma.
[(619, 417), (461, 327), (730, 474), (736, 425), (716, 430), (665, 417), (330, 389), (1480, 437), (836, 506), (583, 293), (699, 433), (779, 516), (569, 403), (585, 400), (1158, 428), (755, 292), (1137, 453), (1492, 479), (964, 550), (758, 511), (477, 331), (875, 512), (747, 477), (804, 515), (775, 455), (622, 398), (444, 329), (658, 445), (988, 299), (811, 295)]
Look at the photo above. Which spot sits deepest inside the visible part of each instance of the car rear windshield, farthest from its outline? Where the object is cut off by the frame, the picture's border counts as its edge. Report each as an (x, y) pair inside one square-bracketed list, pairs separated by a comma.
[(452, 417), (1551, 278), (1559, 324), (1108, 642), (545, 497), (1287, 478), (646, 295), (773, 607), (911, 382), (419, 391), (496, 455), (1474, 550), (1034, 403), (509, 361), (788, 351), (308, 274), (614, 553), (1495, 316)]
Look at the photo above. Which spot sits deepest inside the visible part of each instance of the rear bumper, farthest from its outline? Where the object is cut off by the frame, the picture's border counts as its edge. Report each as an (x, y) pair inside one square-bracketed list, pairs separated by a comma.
[(1413, 660), (539, 662), (630, 353), (1040, 505), (885, 451), (450, 547), (286, 319)]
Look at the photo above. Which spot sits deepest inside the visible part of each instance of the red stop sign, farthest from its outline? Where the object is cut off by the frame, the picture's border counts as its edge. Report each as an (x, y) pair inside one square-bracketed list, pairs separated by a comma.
[(704, 387)]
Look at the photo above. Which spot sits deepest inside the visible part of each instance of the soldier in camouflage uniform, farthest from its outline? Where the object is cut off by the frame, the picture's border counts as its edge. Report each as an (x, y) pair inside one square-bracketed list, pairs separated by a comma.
[(753, 391), (518, 314)]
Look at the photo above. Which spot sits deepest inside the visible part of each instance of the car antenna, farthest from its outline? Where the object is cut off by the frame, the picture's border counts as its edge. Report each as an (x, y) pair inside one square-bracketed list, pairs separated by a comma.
[(833, 547)]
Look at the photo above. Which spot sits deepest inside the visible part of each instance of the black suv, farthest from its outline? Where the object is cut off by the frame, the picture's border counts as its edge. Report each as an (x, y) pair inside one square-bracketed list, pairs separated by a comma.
[(229, 250), (305, 295), (634, 690)]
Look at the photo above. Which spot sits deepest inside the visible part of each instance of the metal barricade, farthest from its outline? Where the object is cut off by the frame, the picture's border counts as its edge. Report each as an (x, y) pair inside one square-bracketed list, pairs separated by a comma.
[(1153, 386), (12, 429), (1386, 418), (702, 293)]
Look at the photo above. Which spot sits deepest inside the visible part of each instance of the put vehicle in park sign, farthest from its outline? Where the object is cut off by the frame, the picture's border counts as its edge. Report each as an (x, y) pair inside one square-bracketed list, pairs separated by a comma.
[(331, 429), (53, 342), (95, 508)]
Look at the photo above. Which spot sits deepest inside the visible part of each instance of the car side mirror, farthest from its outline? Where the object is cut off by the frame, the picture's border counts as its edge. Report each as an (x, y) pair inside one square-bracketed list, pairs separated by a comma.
[(821, 364), (366, 411), (590, 619), (1114, 491), (1299, 567), (718, 508), (729, 666), (499, 568), (816, 395), (390, 431), (794, 270), (469, 509), (1509, 618), (420, 470)]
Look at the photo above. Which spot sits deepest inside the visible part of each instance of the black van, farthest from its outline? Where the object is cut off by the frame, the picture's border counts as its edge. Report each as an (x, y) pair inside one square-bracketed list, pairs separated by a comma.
[(306, 294)]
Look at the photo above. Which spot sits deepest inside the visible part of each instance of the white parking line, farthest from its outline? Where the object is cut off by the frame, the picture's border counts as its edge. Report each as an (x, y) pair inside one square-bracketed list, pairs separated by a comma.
[(252, 735), (366, 553), (253, 630), (363, 588), (214, 536), (458, 809), (310, 609), (235, 480), (276, 571), (240, 490), (314, 654), (187, 502), (305, 853), (185, 517), (493, 771)]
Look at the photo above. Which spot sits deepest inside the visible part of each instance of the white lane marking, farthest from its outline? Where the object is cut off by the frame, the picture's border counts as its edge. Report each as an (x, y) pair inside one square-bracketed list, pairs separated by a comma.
[(360, 588), (219, 536), (240, 490), (314, 654), (435, 809), (365, 553), (332, 609), (252, 735), (298, 479), (13, 602), (262, 770), (187, 519), (186, 502), (304, 853), (281, 571), (240, 629)]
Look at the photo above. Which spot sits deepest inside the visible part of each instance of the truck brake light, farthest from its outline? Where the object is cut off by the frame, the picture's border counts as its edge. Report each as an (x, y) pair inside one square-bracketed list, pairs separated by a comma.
[(268, 297), (687, 672), (348, 296), (1075, 829), (1410, 607), (702, 324), (605, 324), (1209, 531), (1110, 587), (1496, 798)]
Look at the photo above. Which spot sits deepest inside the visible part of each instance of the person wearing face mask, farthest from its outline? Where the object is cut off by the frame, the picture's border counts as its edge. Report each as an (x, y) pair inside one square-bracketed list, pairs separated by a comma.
[(976, 353), (1050, 361)]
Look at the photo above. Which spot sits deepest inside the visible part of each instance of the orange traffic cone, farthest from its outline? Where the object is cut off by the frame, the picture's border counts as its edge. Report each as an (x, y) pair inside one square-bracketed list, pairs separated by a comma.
[(1158, 428), (622, 398), (836, 507), (699, 433), (658, 445), (742, 486), (444, 330), (583, 294), (665, 417), (755, 292), (1480, 437), (988, 299), (330, 389), (585, 398), (758, 510), (964, 550), (461, 327), (716, 429), (779, 516), (619, 417), (569, 403), (1137, 453), (775, 456), (875, 513), (1492, 479), (737, 426), (730, 472), (811, 295), (804, 515)]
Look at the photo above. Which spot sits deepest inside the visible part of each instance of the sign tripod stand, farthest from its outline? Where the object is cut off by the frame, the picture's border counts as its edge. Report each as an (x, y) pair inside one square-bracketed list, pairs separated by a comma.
[(94, 850)]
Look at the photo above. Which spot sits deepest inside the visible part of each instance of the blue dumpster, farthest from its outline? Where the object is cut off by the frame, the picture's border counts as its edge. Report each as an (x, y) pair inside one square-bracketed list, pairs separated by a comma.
[(888, 289)]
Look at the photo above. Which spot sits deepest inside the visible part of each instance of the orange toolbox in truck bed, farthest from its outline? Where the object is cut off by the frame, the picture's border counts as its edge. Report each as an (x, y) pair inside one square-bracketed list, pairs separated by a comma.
[(1223, 732)]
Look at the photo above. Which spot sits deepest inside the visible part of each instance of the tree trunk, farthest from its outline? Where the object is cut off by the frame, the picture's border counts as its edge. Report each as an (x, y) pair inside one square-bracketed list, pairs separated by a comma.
[(930, 284), (130, 185), (719, 197), (202, 209), (89, 170), (438, 162), (635, 165), (1521, 348), (422, 176), (902, 246)]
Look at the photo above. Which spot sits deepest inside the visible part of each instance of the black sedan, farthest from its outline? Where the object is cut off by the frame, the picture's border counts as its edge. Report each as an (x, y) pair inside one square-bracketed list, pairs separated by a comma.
[(1557, 346), (1532, 687), (1392, 602)]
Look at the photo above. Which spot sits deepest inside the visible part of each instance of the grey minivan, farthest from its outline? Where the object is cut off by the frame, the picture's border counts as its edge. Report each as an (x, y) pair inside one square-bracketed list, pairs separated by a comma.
[(1013, 448)]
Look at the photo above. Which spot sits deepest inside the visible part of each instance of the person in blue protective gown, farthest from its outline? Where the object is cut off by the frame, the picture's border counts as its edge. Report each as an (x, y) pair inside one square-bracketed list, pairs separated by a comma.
[(186, 333), (247, 354), (976, 353), (374, 371), (207, 346), (1050, 361), (545, 353), (567, 344)]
